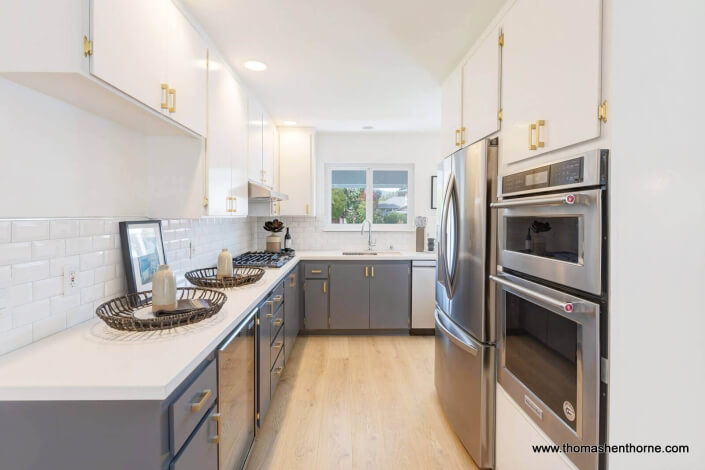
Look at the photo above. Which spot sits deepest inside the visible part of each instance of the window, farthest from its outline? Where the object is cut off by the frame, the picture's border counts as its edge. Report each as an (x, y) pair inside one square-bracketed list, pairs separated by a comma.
[(381, 194)]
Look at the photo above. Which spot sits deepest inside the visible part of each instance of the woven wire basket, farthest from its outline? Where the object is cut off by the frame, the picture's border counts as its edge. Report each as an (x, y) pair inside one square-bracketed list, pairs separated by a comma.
[(207, 277), (119, 313)]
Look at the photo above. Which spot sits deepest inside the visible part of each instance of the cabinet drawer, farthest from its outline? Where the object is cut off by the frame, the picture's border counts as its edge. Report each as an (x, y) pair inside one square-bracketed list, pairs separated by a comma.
[(276, 373), (272, 305), (192, 405), (316, 271), (276, 323), (276, 347), (202, 450)]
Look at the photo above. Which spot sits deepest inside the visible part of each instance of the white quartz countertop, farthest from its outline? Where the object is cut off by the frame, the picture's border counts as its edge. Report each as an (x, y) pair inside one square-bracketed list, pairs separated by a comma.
[(92, 361)]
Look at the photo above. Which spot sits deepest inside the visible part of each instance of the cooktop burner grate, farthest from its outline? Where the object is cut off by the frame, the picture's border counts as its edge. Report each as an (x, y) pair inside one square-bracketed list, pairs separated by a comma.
[(263, 259)]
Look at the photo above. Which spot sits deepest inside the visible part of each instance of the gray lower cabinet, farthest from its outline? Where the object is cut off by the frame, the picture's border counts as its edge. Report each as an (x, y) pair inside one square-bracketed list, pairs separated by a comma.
[(349, 296), (390, 293), (201, 451), (316, 304), (292, 310)]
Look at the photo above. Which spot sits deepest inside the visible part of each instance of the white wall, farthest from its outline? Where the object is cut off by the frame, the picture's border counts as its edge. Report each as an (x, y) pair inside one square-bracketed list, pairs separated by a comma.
[(657, 350)]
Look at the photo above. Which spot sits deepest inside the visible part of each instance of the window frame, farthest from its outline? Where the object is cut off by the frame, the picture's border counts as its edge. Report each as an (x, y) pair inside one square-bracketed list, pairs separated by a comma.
[(369, 169)]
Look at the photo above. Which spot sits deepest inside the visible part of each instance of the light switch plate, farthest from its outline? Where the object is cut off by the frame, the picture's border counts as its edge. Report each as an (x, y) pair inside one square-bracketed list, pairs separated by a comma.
[(70, 279)]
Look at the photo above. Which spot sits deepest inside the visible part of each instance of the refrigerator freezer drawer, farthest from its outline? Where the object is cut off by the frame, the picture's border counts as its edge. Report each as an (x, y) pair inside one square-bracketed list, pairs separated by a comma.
[(465, 383)]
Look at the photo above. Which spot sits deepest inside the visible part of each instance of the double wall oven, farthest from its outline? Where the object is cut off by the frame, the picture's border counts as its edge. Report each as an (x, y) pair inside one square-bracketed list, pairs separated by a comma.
[(551, 297)]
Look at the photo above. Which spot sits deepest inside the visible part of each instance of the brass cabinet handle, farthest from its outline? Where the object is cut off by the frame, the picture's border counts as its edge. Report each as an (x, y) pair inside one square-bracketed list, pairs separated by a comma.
[(539, 124), (367, 271), (279, 370), (462, 136), (216, 439), (292, 280), (231, 204), (373, 271), (205, 395), (316, 271), (457, 139), (532, 128), (306, 209), (172, 93), (325, 287), (271, 308), (278, 322), (278, 345), (165, 95)]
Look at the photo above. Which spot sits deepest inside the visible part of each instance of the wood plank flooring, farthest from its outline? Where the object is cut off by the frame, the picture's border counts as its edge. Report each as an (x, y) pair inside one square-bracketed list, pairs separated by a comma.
[(358, 402)]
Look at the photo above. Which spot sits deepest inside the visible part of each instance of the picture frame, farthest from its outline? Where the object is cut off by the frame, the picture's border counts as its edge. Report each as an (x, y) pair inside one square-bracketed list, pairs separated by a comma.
[(142, 252), (434, 178)]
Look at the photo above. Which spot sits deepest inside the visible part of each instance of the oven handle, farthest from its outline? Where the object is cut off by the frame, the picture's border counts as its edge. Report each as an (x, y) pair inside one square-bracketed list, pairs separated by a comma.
[(567, 199), (568, 307), (454, 337)]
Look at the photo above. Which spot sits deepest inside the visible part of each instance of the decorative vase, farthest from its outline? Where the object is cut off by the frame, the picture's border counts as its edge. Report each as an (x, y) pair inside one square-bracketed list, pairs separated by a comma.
[(225, 264), (164, 290), (274, 244)]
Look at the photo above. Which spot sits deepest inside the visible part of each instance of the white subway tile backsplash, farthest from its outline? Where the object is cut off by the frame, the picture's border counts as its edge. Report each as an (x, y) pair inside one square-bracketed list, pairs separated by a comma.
[(34, 253), (11, 253), (28, 230), (64, 229), (48, 326), (26, 272), (15, 338), (92, 260), (92, 227), (47, 288), (47, 249), (30, 313)]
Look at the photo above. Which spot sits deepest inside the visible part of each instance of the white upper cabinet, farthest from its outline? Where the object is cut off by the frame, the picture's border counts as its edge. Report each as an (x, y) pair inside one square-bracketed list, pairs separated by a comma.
[(481, 85), (268, 135), (227, 141), (551, 76), (297, 169), (130, 47), (186, 71), (451, 113), (254, 147)]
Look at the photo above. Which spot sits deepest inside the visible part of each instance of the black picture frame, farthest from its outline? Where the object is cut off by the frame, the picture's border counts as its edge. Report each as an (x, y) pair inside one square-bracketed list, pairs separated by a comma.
[(433, 191), (139, 276)]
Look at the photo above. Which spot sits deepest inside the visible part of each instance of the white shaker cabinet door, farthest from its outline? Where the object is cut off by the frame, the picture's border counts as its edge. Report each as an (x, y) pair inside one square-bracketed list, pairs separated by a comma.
[(297, 170), (481, 83), (551, 76), (451, 113), (130, 47), (186, 72), (254, 147), (239, 169), (268, 150)]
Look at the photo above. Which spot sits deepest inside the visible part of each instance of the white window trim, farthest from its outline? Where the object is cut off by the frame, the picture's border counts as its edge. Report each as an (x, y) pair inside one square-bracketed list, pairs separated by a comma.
[(369, 167)]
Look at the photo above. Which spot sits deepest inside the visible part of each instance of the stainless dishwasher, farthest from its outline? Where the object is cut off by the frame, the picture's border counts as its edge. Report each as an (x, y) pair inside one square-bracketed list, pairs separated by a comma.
[(236, 395)]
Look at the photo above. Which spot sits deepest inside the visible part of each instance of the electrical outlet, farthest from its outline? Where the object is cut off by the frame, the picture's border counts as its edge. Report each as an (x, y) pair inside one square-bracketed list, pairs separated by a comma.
[(70, 279)]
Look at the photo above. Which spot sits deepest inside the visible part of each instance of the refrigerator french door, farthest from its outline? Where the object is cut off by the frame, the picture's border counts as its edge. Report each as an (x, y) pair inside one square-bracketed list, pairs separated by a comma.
[(465, 327)]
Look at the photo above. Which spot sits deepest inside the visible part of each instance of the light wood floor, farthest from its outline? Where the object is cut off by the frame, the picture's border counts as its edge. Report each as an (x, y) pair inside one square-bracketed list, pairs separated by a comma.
[(358, 402)]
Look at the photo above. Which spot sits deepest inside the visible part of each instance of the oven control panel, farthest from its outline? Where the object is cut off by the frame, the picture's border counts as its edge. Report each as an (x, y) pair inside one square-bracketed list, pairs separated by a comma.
[(547, 176)]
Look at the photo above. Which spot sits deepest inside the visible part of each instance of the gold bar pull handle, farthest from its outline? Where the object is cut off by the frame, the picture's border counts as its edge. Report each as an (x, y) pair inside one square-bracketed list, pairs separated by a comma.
[(278, 371), (457, 137), (216, 439), (292, 280), (539, 124), (205, 395), (462, 136), (325, 287), (372, 271), (172, 93), (532, 128), (316, 271), (165, 97), (367, 271)]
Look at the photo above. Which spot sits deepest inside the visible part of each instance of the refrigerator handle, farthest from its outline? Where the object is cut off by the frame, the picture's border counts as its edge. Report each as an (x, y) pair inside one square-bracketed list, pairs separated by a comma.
[(457, 337)]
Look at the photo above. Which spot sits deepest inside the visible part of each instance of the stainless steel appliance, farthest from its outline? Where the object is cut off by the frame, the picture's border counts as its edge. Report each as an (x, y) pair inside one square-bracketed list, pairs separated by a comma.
[(551, 300), (236, 395), (551, 221), (264, 259), (465, 326)]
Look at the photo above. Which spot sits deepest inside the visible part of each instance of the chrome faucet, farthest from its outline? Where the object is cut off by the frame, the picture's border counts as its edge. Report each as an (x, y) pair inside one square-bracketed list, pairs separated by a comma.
[(370, 240)]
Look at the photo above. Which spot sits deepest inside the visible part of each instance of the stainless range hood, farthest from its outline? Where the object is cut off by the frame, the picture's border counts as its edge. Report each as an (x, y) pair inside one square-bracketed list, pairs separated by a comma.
[(260, 192)]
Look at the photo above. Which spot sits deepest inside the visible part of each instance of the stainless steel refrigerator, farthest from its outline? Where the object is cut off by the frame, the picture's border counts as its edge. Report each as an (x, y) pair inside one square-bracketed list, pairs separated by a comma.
[(465, 322)]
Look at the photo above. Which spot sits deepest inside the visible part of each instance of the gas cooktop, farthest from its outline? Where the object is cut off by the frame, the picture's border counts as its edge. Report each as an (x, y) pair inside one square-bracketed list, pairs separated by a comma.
[(265, 259)]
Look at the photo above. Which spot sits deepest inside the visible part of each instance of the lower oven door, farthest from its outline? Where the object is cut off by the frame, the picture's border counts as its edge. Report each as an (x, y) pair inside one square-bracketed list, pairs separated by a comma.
[(548, 360), (465, 383), (557, 237)]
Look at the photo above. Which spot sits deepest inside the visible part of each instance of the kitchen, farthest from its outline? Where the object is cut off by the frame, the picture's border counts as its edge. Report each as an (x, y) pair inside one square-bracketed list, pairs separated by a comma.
[(403, 235)]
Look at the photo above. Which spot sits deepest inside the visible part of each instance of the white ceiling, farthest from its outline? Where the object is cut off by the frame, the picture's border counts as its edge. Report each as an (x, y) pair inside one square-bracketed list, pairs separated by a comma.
[(344, 64)]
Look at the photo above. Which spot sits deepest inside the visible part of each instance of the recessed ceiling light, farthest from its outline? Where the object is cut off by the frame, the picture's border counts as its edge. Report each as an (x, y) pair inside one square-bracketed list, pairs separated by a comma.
[(289, 123), (255, 65), (367, 128)]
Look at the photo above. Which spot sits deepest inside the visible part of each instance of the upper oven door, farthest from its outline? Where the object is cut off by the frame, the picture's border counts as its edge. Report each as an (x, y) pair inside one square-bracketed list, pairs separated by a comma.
[(556, 237)]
